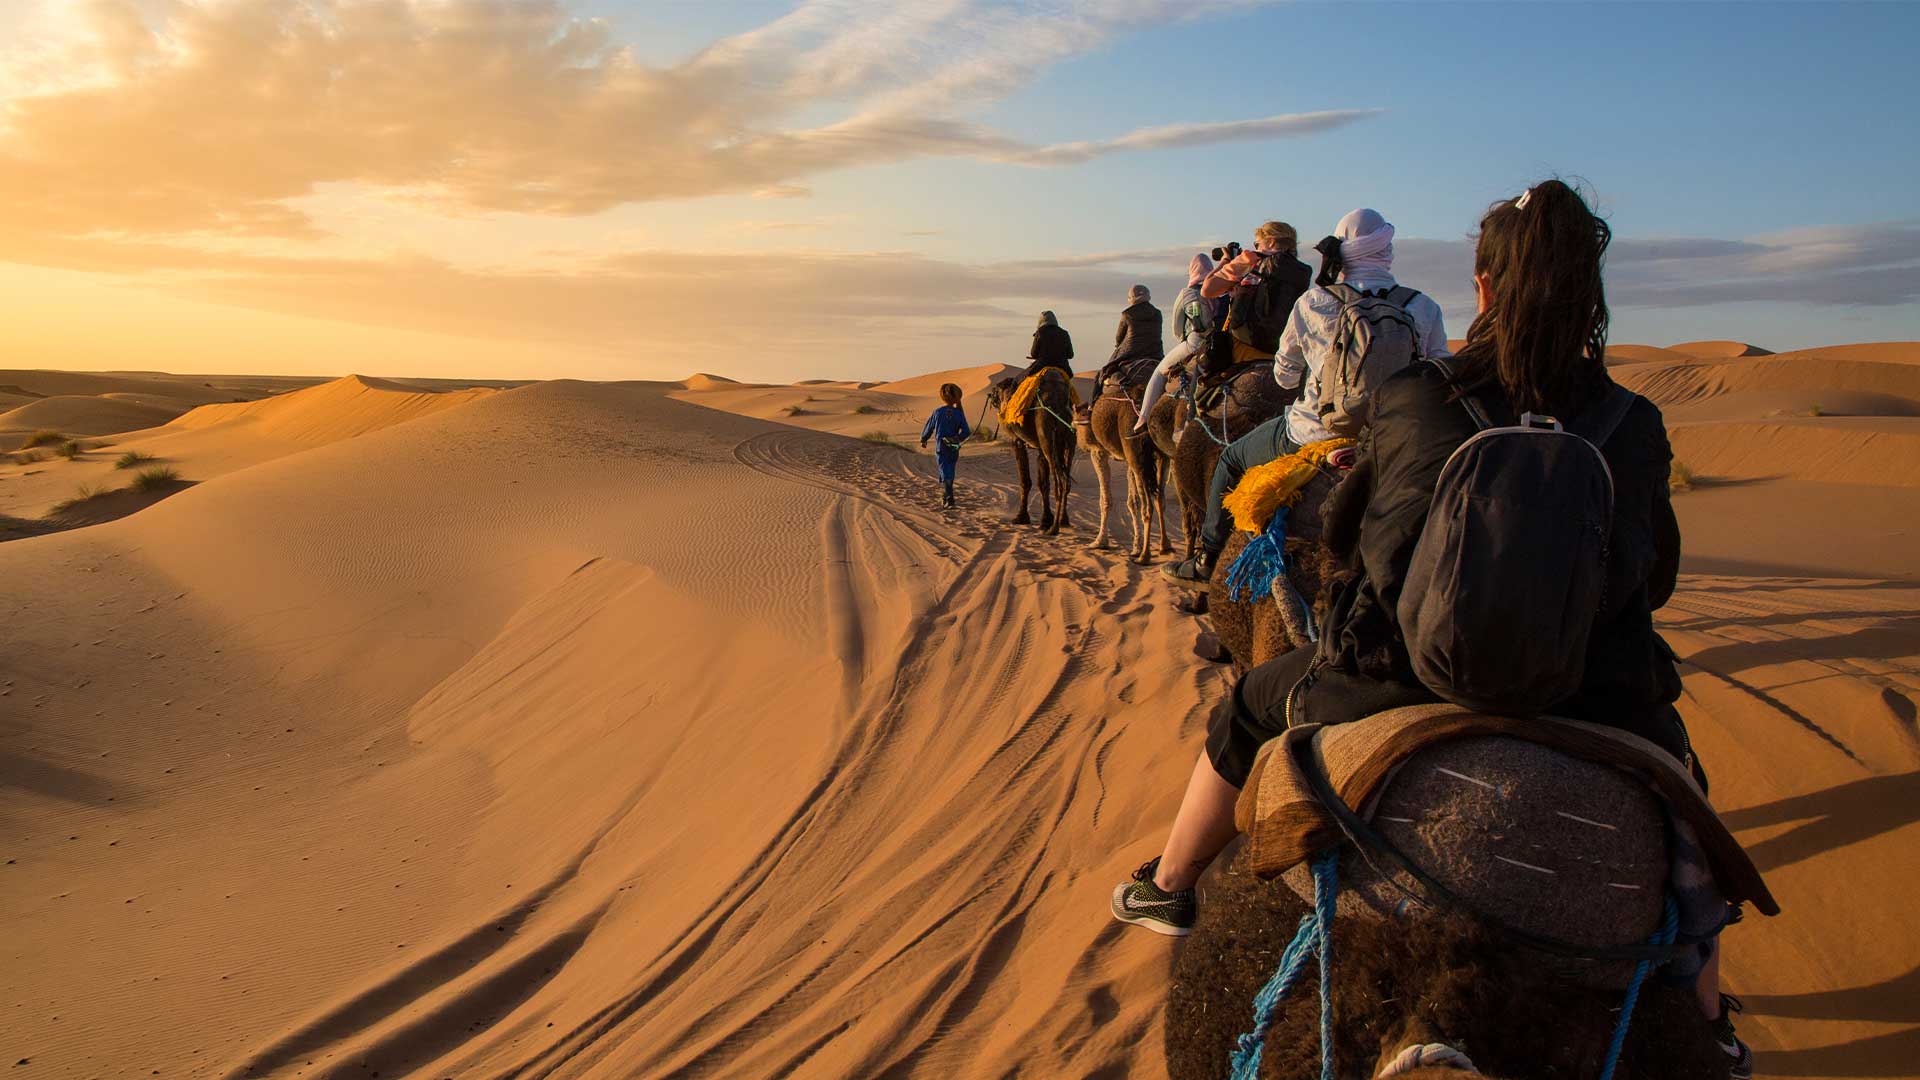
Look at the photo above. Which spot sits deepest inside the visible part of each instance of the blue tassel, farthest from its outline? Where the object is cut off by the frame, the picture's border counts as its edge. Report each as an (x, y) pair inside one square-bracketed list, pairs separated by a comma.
[(1263, 560)]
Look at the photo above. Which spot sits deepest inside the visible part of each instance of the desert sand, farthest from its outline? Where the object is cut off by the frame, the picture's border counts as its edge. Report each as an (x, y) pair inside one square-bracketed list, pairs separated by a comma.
[(669, 729)]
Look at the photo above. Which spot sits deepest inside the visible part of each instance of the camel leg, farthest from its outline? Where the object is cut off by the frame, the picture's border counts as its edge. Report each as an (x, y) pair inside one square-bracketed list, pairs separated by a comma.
[(1143, 519), (1063, 478), (1049, 525), (1102, 476), (1161, 465), (1026, 481)]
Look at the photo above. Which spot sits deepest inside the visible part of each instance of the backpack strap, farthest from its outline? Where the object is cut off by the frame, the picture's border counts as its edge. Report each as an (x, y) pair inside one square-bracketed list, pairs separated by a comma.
[(1481, 420), (1344, 292), (1400, 296)]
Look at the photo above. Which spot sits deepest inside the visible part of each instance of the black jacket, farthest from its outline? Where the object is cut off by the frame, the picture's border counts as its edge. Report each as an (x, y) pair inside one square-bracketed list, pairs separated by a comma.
[(1052, 347), (1374, 519), (1139, 337), (1291, 279)]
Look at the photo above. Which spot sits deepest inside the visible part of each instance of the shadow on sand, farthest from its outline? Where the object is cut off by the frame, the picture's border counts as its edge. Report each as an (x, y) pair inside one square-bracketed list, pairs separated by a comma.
[(1830, 819)]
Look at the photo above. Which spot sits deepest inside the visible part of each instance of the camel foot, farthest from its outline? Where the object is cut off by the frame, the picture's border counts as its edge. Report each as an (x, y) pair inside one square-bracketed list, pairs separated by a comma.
[(1101, 543), (1020, 519)]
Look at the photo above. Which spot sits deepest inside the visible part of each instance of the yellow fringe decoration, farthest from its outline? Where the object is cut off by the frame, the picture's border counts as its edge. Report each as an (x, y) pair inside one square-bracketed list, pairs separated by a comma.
[(1015, 410), (1266, 488)]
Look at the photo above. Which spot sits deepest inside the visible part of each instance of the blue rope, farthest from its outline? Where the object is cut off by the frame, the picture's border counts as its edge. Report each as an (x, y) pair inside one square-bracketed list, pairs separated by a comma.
[(1315, 937), (1669, 927), (1261, 562)]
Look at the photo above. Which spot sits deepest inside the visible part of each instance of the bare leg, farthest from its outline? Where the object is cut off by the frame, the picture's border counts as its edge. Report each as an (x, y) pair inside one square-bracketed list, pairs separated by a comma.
[(1201, 829), (1707, 987)]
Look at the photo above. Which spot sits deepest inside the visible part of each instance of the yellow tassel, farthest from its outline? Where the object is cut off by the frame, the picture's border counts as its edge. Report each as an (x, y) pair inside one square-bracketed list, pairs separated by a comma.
[(1266, 488), (1021, 400)]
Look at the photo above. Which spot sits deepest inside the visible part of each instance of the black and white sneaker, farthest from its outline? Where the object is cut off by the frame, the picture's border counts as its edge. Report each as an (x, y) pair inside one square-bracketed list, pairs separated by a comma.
[(1739, 1054), (1143, 903)]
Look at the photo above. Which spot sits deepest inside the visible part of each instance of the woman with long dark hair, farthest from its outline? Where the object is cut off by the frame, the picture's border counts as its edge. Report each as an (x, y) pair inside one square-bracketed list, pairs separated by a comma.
[(1538, 345)]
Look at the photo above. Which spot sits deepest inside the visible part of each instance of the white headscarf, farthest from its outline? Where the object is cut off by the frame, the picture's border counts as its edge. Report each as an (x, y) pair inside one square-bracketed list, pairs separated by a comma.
[(1366, 244)]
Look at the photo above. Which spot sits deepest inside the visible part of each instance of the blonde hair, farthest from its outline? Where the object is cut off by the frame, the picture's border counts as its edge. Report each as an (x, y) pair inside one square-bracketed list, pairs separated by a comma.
[(950, 393), (1280, 234)]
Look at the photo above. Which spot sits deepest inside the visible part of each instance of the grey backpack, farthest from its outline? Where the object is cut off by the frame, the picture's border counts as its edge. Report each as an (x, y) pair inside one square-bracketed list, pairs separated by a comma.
[(1511, 567), (1374, 339)]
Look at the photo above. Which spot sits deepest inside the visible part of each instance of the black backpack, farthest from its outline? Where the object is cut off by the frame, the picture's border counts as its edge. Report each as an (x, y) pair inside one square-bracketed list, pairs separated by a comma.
[(1263, 300), (1511, 567)]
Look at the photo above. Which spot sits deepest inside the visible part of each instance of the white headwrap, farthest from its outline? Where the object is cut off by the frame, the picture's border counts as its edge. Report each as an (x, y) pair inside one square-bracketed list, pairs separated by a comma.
[(1366, 243)]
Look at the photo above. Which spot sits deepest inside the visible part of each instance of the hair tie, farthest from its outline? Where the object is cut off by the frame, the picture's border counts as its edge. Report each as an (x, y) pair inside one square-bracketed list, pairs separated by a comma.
[(1521, 202)]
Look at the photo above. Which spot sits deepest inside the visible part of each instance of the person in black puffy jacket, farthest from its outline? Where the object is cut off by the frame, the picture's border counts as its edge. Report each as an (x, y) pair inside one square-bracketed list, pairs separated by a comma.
[(1052, 346)]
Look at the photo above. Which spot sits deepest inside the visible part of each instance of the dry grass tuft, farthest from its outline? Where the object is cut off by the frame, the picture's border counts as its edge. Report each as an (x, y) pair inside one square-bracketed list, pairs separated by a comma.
[(71, 449), (867, 410), (1680, 477), (42, 438), (133, 459), (880, 437), (155, 478), (86, 494)]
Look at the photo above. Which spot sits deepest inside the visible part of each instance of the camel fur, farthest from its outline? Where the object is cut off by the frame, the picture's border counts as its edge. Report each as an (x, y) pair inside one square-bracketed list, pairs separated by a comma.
[(1107, 428), (1408, 983), (1045, 430), (1251, 398)]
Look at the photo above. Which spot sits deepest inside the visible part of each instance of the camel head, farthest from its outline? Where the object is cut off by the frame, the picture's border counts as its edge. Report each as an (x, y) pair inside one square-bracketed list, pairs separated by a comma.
[(998, 393)]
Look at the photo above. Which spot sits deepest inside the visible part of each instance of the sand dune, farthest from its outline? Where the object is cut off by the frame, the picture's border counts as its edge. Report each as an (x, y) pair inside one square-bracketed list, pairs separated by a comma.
[(593, 730), (1719, 350), (214, 440), (76, 415)]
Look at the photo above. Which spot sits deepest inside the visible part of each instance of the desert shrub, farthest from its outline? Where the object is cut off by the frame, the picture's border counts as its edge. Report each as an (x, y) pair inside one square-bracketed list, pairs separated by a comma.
[(87, 493), (880, 437), (986, 434), (71, 449), (27, 457), (133, 459), (866, 410), (154, 478), (42, 438), (1816, 410), (1680, 477), (793, 410)]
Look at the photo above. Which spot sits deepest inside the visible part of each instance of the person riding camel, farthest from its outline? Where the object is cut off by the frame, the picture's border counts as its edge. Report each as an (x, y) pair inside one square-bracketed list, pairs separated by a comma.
[(1052, 347), (1261, 286), (1536, 351), (1139, 336), (1358, 258), (1052, 351), (1194, 318)]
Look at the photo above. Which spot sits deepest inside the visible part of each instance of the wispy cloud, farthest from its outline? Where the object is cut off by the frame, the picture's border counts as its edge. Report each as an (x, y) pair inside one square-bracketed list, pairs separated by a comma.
[(220, 115)]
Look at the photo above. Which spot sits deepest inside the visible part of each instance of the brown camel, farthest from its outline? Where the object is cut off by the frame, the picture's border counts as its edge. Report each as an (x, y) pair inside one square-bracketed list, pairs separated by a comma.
[(1409, 983), (1107, 428), (1048, 428), (1250, 399), (1254, 630)]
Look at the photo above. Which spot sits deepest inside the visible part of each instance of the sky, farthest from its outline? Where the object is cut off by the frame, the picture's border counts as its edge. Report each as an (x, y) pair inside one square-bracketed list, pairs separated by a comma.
[(621, 189)]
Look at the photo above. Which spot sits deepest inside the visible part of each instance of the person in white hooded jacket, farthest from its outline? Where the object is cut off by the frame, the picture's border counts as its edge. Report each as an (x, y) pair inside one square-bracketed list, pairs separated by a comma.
[(1359, 254)]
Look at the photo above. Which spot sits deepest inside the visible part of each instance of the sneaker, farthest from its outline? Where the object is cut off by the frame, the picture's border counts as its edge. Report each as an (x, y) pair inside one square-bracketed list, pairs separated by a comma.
[(1143, 903), (1195, 571), (1739, 1054)]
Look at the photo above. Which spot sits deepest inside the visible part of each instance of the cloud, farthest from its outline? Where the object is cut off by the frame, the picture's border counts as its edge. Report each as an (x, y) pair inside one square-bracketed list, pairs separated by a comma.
[(220, 115)]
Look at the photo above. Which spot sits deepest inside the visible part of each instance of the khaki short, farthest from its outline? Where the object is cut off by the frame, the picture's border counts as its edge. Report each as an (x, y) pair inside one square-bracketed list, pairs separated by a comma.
[(1244, 353)]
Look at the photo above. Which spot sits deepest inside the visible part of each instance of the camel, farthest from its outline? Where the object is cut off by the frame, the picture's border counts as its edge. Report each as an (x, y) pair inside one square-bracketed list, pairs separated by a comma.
[(1048, 429), (1250, 399), (1254, 630), (1409, 983), (1107, 428)]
